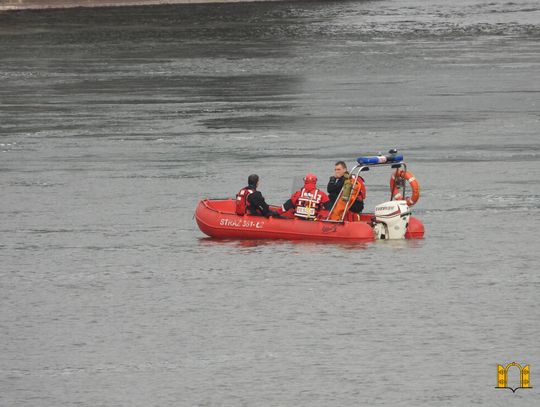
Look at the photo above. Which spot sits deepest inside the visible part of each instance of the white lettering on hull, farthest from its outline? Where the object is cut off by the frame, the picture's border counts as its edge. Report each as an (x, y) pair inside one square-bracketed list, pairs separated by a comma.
[(241, 223)]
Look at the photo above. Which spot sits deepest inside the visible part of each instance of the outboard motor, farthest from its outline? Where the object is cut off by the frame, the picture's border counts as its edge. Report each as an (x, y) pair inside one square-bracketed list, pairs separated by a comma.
[(391, 220)]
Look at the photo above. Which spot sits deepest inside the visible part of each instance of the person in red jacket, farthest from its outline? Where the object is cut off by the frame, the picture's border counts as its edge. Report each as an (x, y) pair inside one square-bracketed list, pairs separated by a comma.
[(308, 203)]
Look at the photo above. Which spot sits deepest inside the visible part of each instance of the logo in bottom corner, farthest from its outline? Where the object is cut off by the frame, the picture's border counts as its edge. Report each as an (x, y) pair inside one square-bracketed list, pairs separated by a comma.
[(524, 377)]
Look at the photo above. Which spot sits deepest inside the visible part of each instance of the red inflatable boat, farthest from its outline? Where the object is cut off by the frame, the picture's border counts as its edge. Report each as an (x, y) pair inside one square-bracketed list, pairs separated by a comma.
[(217, 218), (390, 220)]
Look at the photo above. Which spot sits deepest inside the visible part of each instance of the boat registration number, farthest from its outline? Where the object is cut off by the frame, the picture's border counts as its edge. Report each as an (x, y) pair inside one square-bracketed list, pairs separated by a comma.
[(241, 223)]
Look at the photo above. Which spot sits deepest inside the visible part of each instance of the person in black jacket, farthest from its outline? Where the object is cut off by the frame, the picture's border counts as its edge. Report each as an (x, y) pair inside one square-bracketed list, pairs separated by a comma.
[(253, 201), (336, 184)]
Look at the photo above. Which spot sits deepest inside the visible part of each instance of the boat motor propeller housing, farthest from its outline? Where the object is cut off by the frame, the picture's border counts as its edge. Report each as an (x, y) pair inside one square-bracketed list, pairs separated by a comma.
[(391, 220)]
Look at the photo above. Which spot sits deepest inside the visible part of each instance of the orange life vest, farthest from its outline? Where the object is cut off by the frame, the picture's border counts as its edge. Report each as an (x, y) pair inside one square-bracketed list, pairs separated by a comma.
[(358, 192)]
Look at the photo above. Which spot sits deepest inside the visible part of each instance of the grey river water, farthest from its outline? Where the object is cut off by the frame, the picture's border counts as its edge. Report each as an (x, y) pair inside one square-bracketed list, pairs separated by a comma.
[(115, 122)]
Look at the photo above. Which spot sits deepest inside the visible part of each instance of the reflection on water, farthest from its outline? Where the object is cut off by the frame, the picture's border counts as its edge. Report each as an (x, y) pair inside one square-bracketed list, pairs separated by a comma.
[(285, 245)]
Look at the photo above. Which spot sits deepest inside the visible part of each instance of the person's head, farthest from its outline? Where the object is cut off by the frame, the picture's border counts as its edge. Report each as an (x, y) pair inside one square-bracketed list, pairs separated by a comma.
[(310, 181), (340, 168), (253, 180)]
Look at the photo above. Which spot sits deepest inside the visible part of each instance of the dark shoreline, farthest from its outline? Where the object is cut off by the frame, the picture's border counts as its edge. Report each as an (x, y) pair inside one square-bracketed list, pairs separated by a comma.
[(13, 5)]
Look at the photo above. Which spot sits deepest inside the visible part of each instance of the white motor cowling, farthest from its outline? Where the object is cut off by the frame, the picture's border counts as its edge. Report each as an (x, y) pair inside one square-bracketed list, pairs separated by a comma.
[(391, 220)]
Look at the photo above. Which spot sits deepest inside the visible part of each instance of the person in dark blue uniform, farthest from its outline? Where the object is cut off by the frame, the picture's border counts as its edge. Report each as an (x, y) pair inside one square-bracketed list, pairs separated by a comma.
[(335, 185)]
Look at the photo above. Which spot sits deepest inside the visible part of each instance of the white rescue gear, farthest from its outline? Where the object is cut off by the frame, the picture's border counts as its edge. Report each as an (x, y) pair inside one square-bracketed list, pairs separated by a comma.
[(308, 204)]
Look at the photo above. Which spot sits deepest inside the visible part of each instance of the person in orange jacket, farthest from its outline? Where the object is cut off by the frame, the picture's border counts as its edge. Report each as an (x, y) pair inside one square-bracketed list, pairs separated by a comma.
[(309, 203)]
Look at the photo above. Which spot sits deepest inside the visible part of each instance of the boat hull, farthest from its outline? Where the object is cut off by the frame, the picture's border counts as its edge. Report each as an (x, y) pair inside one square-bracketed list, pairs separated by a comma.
[(217, 219)]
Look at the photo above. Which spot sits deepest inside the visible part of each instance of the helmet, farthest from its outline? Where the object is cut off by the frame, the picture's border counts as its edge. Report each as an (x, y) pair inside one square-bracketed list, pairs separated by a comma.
[(310, 178)]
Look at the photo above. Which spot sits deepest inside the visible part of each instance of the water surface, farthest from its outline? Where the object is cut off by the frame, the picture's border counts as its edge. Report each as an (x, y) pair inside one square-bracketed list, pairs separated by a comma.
[(115, 122)]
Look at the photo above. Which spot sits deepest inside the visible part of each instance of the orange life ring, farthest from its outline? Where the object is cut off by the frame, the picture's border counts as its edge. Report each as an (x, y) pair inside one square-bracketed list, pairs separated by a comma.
[(413, 182)]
